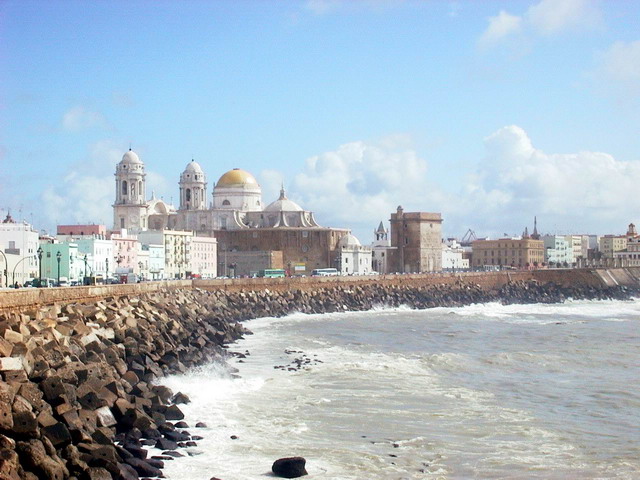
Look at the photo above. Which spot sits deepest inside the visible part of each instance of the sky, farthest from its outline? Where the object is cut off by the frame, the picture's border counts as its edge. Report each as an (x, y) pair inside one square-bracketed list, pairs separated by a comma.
[(490, 112)]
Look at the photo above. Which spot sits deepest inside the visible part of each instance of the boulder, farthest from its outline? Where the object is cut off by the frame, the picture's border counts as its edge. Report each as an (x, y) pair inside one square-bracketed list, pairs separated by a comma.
[(290, 467), (143, 468), (34, 458)]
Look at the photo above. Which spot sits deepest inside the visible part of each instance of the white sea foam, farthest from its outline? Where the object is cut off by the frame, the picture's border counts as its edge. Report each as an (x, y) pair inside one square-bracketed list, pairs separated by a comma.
[(394, 401)]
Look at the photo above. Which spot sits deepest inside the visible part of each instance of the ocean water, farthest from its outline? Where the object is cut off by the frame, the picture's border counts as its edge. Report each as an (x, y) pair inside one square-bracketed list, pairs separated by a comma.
[(484, 391)]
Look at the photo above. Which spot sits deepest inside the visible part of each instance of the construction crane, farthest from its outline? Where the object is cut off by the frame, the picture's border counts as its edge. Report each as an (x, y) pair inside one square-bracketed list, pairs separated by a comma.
[(469, 237)]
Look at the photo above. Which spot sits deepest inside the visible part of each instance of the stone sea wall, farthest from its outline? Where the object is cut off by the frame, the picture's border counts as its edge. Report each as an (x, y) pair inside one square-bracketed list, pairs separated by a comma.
[(80, 386)]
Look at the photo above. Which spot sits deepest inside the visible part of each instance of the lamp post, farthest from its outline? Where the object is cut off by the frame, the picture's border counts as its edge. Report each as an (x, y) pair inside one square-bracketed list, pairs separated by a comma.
[(107, 270), (40, 251), (85, 269), (13, 275), (140, 264), (58, 258), (6, 266)]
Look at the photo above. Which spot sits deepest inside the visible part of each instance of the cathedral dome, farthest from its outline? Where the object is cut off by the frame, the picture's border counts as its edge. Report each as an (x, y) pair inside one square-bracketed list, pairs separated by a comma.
[(131, 157), (237, 178), (283, 204), (193, 167), (349, 241)]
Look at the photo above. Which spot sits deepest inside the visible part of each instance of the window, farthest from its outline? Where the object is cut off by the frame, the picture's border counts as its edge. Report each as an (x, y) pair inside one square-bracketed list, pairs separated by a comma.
[(124, 187), (226, 203), (121, 222), (188, 195)]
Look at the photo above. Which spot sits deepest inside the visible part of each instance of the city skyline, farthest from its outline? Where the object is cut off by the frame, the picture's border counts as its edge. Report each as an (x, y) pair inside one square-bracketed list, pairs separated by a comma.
[(490, 113)]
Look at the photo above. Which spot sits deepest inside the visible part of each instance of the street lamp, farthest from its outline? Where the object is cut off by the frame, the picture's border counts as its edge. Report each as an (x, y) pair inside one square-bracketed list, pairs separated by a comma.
[(85, 269), (40, 251), (140, 264), (13, 275), (58, 258), (6, 265), (107, 272)]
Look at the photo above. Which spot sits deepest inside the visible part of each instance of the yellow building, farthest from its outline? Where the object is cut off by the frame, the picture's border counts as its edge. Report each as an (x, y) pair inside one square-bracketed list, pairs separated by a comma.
[(610, 244), (508, 252)]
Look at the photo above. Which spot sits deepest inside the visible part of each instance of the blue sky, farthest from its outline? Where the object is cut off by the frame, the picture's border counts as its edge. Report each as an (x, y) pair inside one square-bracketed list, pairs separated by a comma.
[(489, 112)]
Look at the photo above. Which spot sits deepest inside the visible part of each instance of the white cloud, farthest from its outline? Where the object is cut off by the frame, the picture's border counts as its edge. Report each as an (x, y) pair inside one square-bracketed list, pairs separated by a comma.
[(553, 16), (361, 183), (500, 27), (87, 190), (619, 68), (574, 191), (79, 118), (546, 18)]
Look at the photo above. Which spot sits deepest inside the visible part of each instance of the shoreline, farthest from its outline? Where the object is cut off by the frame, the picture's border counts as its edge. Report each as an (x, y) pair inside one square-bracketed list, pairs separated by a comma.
[(77, 377)]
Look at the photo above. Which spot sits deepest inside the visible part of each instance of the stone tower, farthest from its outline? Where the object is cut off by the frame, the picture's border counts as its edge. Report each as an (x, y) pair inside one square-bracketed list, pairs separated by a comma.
[(130, 208), (417, 238)]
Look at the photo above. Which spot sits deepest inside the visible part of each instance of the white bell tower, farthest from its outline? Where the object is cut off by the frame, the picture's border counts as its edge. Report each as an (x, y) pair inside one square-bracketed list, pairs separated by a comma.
[(130, 207), (193, 188)]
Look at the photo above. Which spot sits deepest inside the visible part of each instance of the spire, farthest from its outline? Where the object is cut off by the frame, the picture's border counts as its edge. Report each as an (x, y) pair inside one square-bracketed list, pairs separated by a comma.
[(535, 235), (381, 228), (283, 196), (525, 234)]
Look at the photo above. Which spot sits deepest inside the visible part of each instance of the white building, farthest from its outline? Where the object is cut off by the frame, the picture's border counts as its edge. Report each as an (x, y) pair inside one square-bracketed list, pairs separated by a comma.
[(354, 259), (453, 256), (579, 245), (380, 250), (19, 244), (177, 247), (558, 250), (155, 258)]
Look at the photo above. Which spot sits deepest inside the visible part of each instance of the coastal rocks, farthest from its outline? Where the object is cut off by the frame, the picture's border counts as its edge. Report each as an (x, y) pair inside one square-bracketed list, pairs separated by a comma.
[(80, 392), (73, 377), (290, 467)]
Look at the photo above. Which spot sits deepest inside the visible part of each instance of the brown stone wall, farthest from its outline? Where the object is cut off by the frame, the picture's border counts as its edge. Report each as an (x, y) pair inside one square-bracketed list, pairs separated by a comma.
[(247, 263), (29, 297), (315, 247)]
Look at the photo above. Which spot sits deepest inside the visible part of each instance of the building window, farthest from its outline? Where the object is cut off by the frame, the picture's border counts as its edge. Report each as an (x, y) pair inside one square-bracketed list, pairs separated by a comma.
[(226, 203), (188, 195), (124, 187)]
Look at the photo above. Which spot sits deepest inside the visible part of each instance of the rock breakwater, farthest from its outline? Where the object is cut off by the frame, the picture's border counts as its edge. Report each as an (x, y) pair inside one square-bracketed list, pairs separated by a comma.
[(79, 392)]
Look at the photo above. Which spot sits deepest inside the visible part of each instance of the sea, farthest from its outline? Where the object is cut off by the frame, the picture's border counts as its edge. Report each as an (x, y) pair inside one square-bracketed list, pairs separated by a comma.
[(479, 392)]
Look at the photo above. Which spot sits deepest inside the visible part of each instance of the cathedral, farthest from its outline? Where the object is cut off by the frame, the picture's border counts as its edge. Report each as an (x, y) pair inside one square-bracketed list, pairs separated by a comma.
[(236, 203), (236, 215)]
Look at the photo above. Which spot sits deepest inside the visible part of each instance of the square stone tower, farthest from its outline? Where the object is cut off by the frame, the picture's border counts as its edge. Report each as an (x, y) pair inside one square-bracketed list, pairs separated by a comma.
[(417, 237)]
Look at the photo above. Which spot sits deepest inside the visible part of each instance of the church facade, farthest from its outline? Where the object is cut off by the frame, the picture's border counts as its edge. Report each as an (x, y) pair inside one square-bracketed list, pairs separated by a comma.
[(235, 215)]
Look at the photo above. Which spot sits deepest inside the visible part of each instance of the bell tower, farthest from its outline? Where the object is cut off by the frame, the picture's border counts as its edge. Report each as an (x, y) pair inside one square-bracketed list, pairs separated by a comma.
[(130, 208), (193, 188)]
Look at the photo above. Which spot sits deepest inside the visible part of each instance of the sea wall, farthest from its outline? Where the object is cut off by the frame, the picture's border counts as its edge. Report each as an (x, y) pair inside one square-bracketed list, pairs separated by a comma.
[(79, 391), (25, 298)]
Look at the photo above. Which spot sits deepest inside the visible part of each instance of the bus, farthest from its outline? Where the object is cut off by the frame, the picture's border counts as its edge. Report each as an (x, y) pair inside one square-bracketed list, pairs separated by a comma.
[(324, 272), (271, 273)]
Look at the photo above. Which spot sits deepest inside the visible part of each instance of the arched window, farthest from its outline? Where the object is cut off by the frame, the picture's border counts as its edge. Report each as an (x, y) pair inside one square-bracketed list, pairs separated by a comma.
[(226, 202), (140, 188), (124, 187), (188, 194)]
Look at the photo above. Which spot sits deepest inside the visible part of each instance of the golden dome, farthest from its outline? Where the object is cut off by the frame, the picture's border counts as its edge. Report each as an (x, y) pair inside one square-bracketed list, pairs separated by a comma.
[(236, 177)]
